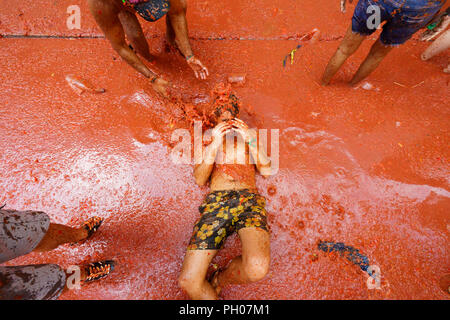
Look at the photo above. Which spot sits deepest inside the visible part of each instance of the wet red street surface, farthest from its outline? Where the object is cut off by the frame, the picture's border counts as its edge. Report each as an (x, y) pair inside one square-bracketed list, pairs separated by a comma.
[(368, 168)]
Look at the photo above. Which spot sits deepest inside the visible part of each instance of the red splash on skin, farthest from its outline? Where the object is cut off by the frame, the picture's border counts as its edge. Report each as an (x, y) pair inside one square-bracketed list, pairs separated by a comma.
[(239, 172), (271, 190)]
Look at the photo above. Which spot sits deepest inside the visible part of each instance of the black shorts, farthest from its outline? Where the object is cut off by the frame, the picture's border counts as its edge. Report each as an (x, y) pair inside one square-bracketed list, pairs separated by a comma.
[(224, 212)]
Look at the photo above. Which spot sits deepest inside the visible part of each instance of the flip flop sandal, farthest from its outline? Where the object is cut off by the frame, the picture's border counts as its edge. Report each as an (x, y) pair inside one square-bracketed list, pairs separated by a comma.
[(92, 225), (98, 270)]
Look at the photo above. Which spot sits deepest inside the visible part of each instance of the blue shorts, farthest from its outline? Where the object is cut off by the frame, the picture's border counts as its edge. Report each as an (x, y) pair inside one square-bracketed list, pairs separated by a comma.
[(403, 18), (152, 10)]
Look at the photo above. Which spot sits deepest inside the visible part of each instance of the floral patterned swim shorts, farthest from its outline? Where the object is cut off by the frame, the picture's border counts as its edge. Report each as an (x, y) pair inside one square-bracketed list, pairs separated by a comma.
[(224, 212)]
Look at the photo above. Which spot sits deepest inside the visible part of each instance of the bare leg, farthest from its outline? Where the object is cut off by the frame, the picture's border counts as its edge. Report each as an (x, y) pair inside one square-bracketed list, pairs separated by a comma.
[(135, 35), (254, 263), (439, 45), (377, 53), (348, 46), (170, 32), (193, 275), (58, 234), (447, 70)]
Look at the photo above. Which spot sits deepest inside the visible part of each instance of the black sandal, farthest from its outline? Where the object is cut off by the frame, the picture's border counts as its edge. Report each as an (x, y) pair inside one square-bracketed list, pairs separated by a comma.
[(98, 270), (92, 225)]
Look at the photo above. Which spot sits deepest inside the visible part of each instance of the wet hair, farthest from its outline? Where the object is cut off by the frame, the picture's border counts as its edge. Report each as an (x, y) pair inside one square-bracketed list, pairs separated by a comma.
[(232, 105)]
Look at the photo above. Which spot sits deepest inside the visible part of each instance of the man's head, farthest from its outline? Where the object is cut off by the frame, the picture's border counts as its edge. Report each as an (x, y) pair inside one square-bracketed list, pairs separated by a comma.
[(226, 110)]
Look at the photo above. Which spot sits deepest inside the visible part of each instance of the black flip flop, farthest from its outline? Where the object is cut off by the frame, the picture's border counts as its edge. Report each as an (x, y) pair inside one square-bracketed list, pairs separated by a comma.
[(98, 270), (92, 225)]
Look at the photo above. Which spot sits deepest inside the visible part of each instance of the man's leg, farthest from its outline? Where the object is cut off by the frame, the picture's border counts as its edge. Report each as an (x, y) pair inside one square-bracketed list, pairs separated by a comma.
[(58, 234), (254, 263), (170, 32), (439, 45), (176, 18), (348, 46), (135, 35), (193, 275), (377, 53)]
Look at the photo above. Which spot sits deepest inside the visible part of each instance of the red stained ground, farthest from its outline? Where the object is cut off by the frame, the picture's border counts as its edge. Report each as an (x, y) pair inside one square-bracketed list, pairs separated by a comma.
[(369, 168)]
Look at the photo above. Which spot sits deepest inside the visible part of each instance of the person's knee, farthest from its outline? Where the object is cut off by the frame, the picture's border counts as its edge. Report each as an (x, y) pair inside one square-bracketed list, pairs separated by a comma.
[(257, 268), (189, 285)]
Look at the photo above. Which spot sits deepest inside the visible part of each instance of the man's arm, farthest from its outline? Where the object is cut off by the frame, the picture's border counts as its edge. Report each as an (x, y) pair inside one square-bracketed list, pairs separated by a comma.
[(106, 16), (177, 16), (262, 161), (203, 171)]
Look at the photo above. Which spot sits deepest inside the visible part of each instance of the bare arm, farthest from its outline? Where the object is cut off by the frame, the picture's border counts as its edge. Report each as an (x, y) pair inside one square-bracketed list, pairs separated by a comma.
[(107, 17), (177, 16), (203, 171), (262, 161)]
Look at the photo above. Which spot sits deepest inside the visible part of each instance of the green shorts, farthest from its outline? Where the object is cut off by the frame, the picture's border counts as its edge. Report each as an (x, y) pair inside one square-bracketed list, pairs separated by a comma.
[(224, 212)]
